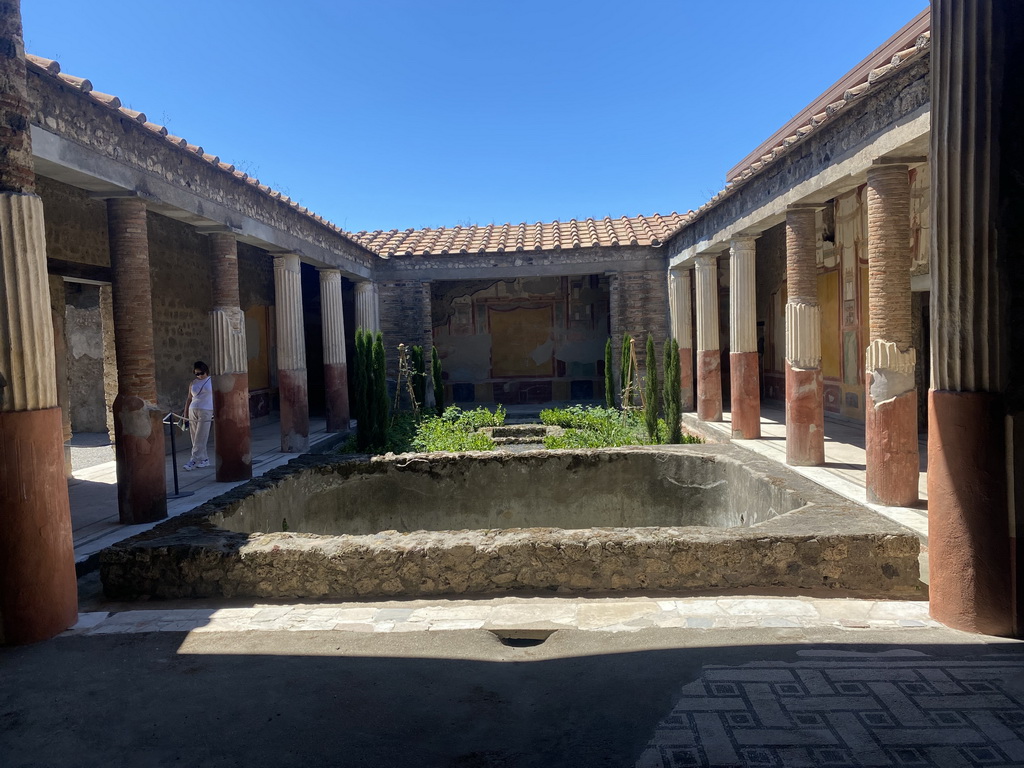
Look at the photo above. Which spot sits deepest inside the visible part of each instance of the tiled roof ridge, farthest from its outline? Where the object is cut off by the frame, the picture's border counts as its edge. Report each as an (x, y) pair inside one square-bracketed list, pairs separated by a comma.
[(52, 69), (875, 76), (570, 234)]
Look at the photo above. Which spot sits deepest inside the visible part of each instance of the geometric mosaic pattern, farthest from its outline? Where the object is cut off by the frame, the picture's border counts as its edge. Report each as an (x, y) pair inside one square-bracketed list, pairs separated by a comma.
[(878, 710)]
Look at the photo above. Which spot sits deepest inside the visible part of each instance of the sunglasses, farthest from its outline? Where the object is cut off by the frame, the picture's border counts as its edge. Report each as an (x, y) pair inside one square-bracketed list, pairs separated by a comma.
[(199, 373)]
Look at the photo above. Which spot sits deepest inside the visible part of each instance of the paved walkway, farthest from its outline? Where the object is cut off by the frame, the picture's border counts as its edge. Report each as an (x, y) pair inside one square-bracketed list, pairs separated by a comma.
[(93, 489), (845, 464), (652, 681)]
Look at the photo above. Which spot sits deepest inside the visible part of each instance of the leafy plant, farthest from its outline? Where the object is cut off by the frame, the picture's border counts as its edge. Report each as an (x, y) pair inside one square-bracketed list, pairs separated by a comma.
[(593, 427), (456, 430)]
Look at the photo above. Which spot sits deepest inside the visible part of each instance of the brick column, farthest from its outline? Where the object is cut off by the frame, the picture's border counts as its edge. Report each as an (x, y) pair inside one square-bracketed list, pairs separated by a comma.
[(891, 399), (805, 412), (367, 310), (743, 358), (291, 355), (138, 431), (38, 591), (681, 310), (335, 364), (229, 368), (709, 356), (974, 435)]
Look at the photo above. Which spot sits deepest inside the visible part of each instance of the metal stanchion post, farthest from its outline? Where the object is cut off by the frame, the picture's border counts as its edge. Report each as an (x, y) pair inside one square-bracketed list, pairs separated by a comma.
[(169, 420)]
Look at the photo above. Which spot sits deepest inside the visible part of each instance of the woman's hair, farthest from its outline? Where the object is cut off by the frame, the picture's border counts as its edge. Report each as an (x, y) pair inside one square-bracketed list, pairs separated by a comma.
[(200, 366)]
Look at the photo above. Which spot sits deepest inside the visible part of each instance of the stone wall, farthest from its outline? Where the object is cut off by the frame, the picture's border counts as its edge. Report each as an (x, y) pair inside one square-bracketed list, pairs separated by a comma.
[(639, 306), (182, 279), (76, 224), (84, 332), (404, 318)]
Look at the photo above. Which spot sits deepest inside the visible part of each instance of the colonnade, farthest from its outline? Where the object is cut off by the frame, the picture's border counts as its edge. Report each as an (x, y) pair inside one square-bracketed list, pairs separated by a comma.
[(889, 359)]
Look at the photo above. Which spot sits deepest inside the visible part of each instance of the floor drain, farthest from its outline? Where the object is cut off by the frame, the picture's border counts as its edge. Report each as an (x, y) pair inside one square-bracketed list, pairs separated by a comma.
[(522, 638)]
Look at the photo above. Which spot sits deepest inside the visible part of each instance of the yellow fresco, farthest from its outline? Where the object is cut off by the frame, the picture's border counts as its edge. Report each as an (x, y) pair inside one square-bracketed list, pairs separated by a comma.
[(256, 336), (521, 343), (828, 298)]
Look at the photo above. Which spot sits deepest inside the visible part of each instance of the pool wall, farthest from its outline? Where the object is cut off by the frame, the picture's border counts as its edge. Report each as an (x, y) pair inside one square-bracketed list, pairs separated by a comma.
[(793, 533)]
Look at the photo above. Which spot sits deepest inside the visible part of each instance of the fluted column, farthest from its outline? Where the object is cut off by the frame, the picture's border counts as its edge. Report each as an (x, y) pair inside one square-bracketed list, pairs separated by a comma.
[(138, 427), (681, 310), (743, 361), (891, 402), (367, 315), (709, 359), (805, 412), (974, 402), (335, 364), (38, 591), (230, 365), (291, 354)]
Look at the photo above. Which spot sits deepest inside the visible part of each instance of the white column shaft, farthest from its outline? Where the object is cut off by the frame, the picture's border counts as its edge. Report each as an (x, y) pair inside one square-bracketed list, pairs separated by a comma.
[(333, 316), (707, 303), (742, 296), (291, 345), (28, 378)]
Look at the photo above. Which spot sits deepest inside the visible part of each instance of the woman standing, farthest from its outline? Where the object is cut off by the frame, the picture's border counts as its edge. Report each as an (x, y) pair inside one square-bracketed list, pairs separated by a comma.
[(199, 409)]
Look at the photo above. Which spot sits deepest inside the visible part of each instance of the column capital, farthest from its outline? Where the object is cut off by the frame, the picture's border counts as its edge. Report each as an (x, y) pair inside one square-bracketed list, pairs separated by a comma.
[(743, 242), (706, 260)]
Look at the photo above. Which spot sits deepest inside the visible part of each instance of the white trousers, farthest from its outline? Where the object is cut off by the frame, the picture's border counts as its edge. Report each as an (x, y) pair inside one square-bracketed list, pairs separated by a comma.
[(199, 421)]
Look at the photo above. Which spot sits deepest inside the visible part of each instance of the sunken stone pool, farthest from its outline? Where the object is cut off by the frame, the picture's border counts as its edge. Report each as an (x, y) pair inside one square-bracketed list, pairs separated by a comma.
[(642, 518)]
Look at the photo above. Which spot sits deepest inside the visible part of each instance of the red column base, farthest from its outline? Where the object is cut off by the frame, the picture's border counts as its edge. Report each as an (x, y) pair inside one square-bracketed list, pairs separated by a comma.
[(745, 395), (968, 520), (805, 417), (38, 589), (686, 378), (232, 430), (709, 385), (141, 461), (336, 381), (294, 411), (893, 459)]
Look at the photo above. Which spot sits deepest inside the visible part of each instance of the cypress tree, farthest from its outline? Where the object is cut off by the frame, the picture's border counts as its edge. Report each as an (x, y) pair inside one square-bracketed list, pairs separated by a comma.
[(651, 390), (359, 409), (626, 372), (435, 371), (419, 377), (609, 376), (673, 392), (380, 393)]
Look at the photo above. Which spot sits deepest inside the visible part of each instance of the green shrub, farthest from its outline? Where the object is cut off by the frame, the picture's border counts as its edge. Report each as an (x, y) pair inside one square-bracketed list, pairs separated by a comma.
[(418, 371), (592, 427), (456, 430)]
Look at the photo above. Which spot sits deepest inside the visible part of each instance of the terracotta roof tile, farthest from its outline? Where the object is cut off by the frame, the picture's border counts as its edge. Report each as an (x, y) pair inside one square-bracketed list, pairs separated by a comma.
[(48, 65), (503, 238), (105, 98)]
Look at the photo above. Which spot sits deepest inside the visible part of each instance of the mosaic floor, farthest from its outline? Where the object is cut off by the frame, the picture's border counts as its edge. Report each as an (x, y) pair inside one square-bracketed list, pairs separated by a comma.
[(899, 708)]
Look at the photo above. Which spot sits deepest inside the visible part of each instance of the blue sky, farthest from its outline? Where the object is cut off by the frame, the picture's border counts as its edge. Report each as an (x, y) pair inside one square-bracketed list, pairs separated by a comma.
[(385, 114)]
